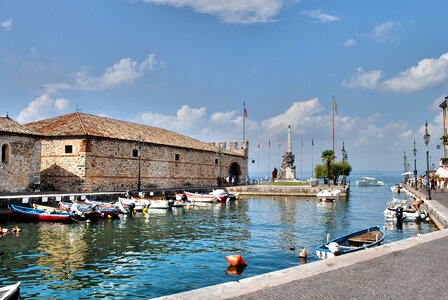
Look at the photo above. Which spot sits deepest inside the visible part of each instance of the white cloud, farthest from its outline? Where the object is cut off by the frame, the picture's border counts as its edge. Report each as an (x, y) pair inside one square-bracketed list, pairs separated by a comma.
[(350, 42), (43, 107), (363, 79), (320, 17), (185, 120), (126, 71), (6, 24), (233, 11), (427, 73), (385, 31), (223, 117), (298, 115)]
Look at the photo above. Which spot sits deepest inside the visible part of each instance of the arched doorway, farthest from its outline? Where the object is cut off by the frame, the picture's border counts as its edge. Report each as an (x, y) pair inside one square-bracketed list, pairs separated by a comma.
[(235, 173)]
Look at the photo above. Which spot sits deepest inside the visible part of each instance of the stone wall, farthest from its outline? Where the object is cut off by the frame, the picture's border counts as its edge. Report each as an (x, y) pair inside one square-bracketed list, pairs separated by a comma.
[(110, 165), (21, 173), (61, 171)]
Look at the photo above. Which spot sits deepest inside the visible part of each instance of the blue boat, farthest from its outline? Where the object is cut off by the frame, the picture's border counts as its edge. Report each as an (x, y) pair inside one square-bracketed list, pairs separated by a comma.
[(35, 214), (366, 238)]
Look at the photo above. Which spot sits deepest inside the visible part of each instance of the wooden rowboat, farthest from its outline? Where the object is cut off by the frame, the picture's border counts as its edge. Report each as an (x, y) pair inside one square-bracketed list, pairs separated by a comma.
[(35, 214), (201, 198), (10, 292), (359, 240)]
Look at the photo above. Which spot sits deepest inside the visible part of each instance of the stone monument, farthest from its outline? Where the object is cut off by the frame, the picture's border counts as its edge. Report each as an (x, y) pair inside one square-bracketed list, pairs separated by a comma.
[(287, 169)]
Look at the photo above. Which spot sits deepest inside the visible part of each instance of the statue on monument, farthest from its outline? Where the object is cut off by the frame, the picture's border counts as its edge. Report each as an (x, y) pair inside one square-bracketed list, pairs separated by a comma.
[(287, 169)]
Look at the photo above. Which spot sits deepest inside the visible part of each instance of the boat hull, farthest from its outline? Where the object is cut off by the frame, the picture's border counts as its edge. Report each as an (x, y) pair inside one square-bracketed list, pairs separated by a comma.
[(10, 292), (34, 214), (363, 239)]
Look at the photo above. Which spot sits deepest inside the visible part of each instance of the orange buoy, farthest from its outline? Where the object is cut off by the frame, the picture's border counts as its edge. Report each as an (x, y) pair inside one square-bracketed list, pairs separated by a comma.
[(236, 260), (302, 253)]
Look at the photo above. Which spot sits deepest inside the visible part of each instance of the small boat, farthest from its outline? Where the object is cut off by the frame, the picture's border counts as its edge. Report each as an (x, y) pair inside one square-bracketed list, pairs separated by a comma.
[(396, 188), (201, 198), (409, 211), (223, 195), (139, 203), (10, 292), (180, 200), (35, 214), (161, 204), (369, 181), (328, 195), (366, 238)]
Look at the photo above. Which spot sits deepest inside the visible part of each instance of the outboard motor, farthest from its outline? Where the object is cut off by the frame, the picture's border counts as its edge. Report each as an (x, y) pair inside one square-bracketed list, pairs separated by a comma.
[(399, 214)]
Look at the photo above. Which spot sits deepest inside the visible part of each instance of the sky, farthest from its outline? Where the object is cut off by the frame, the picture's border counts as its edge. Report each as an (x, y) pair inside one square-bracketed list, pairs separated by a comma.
[(189, 65)]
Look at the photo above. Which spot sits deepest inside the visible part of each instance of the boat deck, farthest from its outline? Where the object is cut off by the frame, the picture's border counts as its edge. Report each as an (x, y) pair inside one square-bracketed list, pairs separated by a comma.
[(367, 237)]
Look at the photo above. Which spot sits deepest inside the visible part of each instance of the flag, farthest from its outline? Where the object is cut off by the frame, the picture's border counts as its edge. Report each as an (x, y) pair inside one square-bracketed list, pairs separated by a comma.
[(312, 142), (335, 106), (269, 144), (302, 142), (258, 146), (245, 110)]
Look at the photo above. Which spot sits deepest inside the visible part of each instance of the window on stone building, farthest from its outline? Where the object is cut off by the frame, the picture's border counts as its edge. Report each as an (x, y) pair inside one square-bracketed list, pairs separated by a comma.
[(135, 153), (216, 161), (68, 149), (6, 152), (176, 157)]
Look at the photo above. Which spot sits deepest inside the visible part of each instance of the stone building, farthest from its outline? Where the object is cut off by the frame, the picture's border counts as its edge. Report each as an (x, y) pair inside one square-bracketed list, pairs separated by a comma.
[(20, 150), (85, 153)]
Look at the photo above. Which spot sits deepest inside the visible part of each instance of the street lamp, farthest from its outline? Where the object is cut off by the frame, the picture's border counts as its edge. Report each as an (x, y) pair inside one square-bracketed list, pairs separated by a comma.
[(426, 139), (344, 158), (415, 166), (405, 164)]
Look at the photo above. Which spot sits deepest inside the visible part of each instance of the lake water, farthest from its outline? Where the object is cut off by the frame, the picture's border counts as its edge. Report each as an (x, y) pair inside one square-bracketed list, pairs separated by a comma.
[(166, 252)]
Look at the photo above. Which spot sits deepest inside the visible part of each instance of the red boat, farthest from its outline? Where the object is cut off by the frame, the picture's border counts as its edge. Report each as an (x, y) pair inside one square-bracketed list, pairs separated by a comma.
[(35, 214)]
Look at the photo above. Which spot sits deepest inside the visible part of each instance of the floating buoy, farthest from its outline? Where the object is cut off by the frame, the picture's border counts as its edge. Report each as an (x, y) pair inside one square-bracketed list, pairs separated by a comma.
[(236, 260), (302, 253)]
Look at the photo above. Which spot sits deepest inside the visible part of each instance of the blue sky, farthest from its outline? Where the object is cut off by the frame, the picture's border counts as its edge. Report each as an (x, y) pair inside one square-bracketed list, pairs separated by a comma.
[(188, 66)]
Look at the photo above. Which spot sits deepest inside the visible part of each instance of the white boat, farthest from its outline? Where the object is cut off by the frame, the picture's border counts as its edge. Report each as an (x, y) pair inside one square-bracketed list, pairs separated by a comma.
[(139, 203), (10, 292), (201, 198), (369, 181), (328, 195), (161, 204), (223, 195), (410, 212), (396, 188)]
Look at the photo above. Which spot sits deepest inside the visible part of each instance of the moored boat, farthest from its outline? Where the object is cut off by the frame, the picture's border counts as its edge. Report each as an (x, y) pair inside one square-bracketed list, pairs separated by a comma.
[(409, 212), (161, 204), (396, 188), (201, 198), (10, 292), (35, 214), (328, 195), (139, 204), (359, 240)]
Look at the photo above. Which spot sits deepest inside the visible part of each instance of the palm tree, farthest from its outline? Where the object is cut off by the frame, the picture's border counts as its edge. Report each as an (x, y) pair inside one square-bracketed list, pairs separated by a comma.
[(328, 156)]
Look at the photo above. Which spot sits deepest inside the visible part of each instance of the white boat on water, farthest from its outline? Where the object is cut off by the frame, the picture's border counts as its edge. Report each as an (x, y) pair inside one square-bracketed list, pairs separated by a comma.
[(328, 195), (161, 204), (369, 181), (201, 198), (396, 188), (139, 203), (410, 212)]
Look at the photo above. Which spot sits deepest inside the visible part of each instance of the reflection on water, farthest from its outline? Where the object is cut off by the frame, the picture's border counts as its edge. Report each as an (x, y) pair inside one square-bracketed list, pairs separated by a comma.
[(168, 251)]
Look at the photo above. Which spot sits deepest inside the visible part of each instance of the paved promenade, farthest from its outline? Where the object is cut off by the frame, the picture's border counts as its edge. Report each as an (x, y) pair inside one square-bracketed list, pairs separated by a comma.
[(414, 268)]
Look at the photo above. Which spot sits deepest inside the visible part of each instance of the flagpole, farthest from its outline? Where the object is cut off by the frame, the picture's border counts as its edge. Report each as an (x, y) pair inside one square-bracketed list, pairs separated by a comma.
[(333, 124), (301, 159), (244, 121), (312, 162), (269, 158), (278, 154)]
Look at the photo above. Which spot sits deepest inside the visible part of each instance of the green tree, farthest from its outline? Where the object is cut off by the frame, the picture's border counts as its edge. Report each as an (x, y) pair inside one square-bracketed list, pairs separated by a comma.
[(327, 157)]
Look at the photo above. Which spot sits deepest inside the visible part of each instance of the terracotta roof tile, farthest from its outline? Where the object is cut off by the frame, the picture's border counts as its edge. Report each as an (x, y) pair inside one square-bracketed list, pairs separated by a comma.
[(10, 126), (76, 124)]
